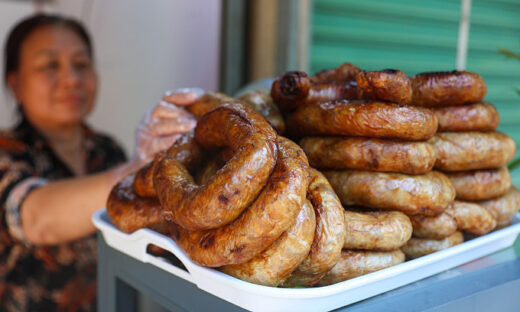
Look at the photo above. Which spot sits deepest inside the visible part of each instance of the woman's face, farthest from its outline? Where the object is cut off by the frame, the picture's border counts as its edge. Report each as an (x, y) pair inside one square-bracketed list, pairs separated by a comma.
[(55, 82)]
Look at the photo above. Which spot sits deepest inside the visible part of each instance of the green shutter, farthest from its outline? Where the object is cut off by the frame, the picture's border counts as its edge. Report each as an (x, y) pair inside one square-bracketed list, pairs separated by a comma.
[(417, 36)]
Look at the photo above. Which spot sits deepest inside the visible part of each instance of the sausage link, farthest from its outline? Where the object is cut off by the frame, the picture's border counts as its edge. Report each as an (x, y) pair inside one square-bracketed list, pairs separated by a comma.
[(427, 194), (473, 117), (418, 247), (503, 208), (344, 73), (369, 154), (388, 85), (435, 227), (480, 184), (471, 218), (263, 104)]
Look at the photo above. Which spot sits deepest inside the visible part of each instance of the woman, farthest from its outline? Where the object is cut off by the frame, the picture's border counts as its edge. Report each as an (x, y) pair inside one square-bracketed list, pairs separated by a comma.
[(55, 171)]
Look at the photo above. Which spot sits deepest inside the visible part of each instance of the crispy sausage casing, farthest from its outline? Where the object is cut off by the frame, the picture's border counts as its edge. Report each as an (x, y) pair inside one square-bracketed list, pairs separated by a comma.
[(447, 88), (435, 227), (474, 117), (503, 208), (480, 184), (471, 218), (273, 265), (329, 235), (363, 118), (344, 73), (369, 154), (235, 186), (418, 247), (383, 230), (272, 212), (427, 194), (388, 85), (459, 151), (356, 263)]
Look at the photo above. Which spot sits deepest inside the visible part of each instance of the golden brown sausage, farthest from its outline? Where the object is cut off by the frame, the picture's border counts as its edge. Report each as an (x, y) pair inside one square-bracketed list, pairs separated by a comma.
[(273, 265), (329, 235), (473, 117), (471, 218), (427, 194), (235, 186), (388, 85), (130, 212), (376, 230), (369, 154), (272, 212), (356, 263), (344, 73), (480, 184), (263, 104), (418, 247), (435, 227), (363, 118), (459, 151), (208, 102), (503, 208), (447, 88)]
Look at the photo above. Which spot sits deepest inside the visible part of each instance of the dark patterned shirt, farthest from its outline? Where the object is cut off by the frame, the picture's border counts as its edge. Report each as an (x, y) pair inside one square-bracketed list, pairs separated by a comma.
[(44, 278)]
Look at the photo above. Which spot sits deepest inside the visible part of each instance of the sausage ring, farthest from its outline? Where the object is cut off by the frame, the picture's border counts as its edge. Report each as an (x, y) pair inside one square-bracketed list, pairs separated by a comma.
[(369, 154), (473, 117), (503, 208), (480, 184), (435, 227), (232, 189), (427, 194), (471, 217), (363, 118), (418, 247)]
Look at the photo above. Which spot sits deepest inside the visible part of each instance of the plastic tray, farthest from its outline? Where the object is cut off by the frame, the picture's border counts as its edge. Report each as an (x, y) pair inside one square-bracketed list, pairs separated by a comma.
[(261, 298)]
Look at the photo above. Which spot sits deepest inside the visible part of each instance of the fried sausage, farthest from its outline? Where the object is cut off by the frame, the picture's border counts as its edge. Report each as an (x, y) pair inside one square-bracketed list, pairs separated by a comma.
[(435, 89), (435, 227), (480, 184), (503, 208), (459, 151), (376, 230), (130, 212), (388, 85), (471, 218), (273, 265), (418, 247), (263, 104), (427, 194), (369, 154), (356, 263), (363, 118), (329, 235), (208, 102), (473, 117), (235, 186), (272, 212), (344, 73)]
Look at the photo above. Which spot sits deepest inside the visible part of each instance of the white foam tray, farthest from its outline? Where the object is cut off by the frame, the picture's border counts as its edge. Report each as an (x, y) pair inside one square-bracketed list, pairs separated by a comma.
[(261, 298)]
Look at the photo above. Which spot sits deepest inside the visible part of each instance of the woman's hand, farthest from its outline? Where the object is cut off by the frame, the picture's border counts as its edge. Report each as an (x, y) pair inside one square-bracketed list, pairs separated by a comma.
[(165, 123)]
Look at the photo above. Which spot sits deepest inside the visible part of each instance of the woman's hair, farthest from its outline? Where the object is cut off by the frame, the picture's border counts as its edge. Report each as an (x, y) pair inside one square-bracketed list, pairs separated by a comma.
[(23, 29)]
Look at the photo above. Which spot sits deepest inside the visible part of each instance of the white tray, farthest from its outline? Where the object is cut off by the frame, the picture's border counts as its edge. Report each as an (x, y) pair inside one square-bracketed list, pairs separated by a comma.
[(262, 298)]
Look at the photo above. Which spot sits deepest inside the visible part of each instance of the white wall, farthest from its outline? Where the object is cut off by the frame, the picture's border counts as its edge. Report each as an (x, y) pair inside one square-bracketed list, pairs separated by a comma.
[(142, 48)]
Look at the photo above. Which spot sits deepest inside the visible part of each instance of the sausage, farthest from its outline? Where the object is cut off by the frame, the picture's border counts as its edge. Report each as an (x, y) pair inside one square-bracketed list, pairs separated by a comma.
[(473, 117), (480, 184), (208, 102), (363, 118), (369, 154), (328, 238), (272, 212), (388, 85), (263, 104), (273, 265), (185, 150), (435, 227), (427, 194), (130, 212), (458, 151), (235, 186), (471, 218), (344, 73), (418, 247), (503, 208), (435, 89), (379, 230), (356, 263)]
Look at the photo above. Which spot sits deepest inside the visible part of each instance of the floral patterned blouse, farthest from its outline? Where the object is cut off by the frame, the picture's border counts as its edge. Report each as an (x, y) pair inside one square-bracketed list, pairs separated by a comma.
[(44, 278)]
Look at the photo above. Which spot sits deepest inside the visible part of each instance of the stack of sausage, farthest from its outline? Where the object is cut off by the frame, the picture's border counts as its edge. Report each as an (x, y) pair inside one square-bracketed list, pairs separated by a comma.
[(373, 150), (471, 153), (236, 196)]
